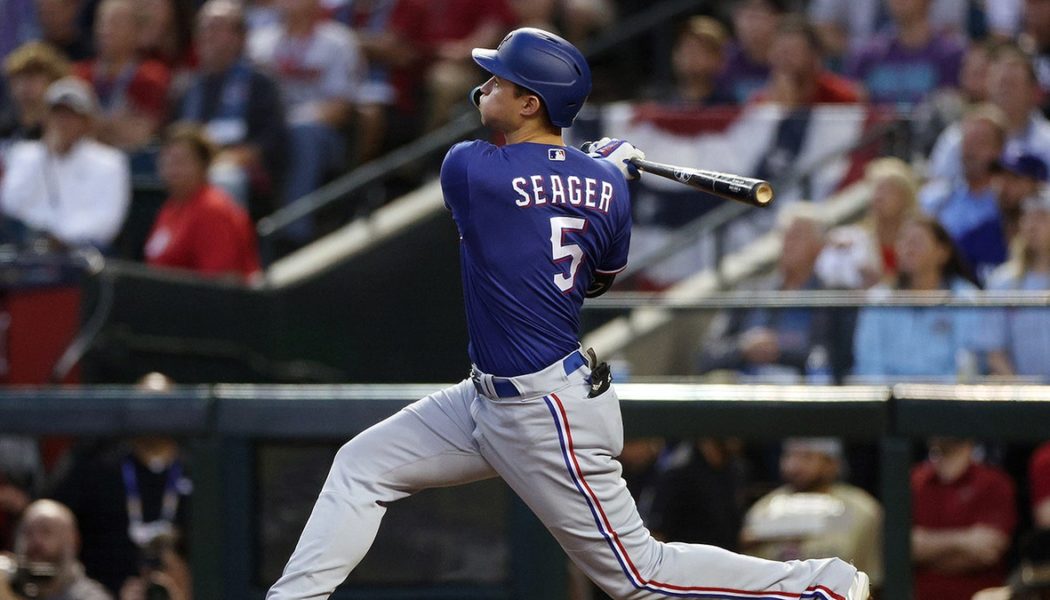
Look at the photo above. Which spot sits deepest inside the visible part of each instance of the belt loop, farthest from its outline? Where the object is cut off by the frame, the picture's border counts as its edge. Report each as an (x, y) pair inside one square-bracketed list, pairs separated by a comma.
[(490, 387)]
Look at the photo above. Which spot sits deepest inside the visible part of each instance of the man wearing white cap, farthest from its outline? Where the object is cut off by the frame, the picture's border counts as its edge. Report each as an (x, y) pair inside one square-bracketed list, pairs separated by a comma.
[(67, 186), (814, 515)]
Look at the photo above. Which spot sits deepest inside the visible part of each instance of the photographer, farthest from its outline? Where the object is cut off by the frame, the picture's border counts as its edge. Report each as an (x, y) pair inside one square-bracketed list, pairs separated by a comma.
[(132, 503), (44, 565)]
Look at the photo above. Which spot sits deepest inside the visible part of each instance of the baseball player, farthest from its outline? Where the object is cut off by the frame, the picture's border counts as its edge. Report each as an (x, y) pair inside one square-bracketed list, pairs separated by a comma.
[(542, 226)]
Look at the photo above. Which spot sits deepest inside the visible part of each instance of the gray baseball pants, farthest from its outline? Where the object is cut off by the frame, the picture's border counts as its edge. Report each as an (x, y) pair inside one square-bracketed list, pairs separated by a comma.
[(555, 447)]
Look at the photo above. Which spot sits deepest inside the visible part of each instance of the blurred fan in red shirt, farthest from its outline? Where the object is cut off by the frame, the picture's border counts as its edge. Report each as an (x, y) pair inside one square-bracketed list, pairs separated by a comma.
[(200, 227)]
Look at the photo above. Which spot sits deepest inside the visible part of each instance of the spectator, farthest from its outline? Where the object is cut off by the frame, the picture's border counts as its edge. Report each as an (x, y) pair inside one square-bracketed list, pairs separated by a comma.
[(797, 76), (948, 105), (963, 516), (1031, 579), (846, 27), (694, 495), (199, 227), (60, 27), (67, 186), (638, 459), (132, 503), (29, 71), (443, 35), (974, 72), (574, 20), (1020, 178), (1019, 338), (370, 21), (697, 60), (240, 108), (858, 256), (797, 81), (1036, 26), (814, 515), (908, 64), (774, 343), (133, 92), (21, 474), (967, 206), (320, 68), (893, 342), (46, 545), (755, 22), (166, 33), (1012, 86), (1039, 481)]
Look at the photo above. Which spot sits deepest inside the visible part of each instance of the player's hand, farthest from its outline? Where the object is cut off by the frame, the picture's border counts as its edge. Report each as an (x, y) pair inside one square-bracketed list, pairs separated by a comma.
[(619, 153)]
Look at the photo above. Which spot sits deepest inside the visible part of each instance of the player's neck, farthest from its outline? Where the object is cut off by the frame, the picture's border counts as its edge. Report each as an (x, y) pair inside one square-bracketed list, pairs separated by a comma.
[(535, 135)]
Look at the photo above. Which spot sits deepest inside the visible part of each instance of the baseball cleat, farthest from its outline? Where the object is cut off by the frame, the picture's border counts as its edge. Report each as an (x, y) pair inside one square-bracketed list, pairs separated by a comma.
[(860, 590)]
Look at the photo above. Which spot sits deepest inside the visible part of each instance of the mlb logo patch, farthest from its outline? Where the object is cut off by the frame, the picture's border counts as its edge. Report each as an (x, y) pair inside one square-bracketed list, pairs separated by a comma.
[(557, 154)]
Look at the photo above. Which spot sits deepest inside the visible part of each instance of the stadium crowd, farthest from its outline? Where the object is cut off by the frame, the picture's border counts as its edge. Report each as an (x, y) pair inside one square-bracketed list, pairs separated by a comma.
[(237, 109)]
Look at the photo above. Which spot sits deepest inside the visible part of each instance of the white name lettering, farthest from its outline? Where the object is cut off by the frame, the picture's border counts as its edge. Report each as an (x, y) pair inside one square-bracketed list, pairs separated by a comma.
[(557, 190), (537, 190), (575, 198), (586, 192), (607, 194), (519, 184)]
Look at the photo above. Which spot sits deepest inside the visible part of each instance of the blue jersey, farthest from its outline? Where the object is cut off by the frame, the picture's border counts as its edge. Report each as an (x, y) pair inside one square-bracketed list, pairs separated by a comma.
[(536, 222)]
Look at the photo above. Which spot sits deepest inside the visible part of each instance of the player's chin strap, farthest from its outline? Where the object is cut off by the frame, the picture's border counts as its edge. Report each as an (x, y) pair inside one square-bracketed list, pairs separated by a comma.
[(601, 374)]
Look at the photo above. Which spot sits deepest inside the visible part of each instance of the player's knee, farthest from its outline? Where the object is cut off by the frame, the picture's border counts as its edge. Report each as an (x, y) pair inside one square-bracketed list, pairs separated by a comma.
[(351, 466)]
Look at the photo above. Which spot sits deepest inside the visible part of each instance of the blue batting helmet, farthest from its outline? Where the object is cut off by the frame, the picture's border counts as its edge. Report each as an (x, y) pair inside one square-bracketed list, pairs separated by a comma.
[(546, 65)]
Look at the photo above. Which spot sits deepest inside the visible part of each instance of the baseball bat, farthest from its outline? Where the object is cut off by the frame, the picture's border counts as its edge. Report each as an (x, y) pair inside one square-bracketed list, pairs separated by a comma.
[(755, 192)]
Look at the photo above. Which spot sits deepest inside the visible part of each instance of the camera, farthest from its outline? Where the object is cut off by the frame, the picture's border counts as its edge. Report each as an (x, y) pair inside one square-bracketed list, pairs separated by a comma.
[(151, 559), (26, 578)]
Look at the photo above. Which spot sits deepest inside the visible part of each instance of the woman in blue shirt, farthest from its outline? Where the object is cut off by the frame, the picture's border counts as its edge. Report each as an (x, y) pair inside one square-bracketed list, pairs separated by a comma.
[(1020, 337), (919, 342)]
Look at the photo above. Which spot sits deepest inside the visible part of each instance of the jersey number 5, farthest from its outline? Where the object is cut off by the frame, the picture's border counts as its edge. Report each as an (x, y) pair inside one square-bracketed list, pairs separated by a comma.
[(560, 251)]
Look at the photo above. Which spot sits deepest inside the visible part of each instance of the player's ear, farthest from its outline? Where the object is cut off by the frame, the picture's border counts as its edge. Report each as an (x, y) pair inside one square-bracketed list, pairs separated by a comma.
[(531, 105)]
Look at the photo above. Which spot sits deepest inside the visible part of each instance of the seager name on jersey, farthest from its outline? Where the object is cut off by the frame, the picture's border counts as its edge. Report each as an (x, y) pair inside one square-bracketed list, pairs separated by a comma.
[(539, 190)]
